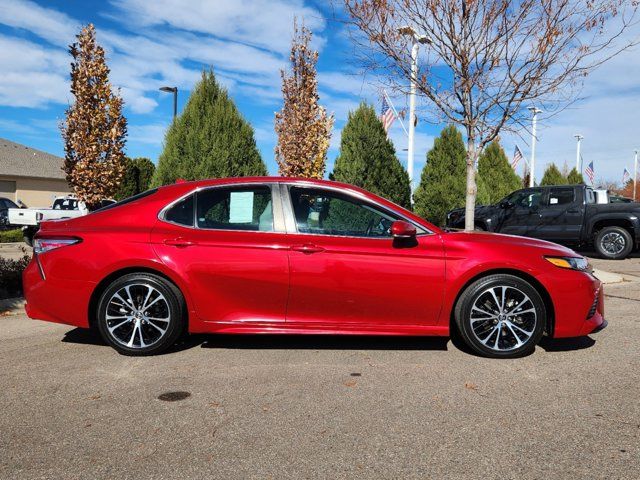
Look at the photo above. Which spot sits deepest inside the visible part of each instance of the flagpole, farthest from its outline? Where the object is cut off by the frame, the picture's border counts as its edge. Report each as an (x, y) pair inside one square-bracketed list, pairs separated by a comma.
[(384, 92)]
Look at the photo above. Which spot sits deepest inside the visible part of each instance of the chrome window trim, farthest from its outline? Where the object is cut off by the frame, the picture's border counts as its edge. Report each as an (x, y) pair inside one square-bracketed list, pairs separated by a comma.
[(276, 206), (292, 225)]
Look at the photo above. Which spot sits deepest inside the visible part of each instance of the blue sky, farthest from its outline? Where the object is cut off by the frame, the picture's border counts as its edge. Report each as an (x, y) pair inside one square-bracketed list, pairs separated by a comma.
[(168, 42)]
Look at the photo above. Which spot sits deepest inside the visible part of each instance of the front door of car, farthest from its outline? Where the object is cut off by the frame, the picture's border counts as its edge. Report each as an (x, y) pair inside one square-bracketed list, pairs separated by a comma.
[(223, 242), (347, 269), (521, 212)]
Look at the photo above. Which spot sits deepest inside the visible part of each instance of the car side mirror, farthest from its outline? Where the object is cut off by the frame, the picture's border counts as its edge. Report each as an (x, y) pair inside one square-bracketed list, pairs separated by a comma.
[(402, 229)]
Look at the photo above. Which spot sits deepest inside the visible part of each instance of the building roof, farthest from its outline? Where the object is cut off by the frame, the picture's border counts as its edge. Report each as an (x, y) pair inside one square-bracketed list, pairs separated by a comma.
[(21, 161)]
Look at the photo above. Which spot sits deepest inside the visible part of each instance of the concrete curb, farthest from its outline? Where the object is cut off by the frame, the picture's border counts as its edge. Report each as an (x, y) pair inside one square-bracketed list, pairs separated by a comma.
[(608, 277)]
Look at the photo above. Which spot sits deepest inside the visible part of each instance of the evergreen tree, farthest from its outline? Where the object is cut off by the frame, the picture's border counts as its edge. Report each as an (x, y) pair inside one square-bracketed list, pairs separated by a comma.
[(210, 139), (496, 173), (95, 130), (443, 180), (368, 159), (553, 176), (137, 177), (575, 178)]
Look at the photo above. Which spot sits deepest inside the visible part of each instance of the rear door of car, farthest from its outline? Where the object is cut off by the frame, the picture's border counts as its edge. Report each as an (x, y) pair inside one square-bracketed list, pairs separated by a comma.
[(348, 272), (227, 243)]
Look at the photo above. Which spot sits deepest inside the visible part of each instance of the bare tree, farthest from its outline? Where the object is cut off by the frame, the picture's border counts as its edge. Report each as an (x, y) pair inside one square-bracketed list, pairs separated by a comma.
[(490, 59), (303, 126)]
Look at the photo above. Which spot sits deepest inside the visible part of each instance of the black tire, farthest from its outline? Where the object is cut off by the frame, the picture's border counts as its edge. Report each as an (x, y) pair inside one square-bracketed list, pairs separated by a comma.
[(165, 305), (613, 243), (496, 337)]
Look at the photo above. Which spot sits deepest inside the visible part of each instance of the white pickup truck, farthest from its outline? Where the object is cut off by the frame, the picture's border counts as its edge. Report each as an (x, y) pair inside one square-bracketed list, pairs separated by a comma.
[(63, 207)]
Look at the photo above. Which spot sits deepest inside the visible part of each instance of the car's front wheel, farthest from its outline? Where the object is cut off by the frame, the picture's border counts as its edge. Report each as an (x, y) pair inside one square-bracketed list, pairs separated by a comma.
[(140, 314), (501, 316)]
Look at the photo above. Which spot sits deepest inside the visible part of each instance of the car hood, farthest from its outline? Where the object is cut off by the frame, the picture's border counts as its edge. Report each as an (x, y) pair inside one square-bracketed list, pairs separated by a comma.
[(502, 241)]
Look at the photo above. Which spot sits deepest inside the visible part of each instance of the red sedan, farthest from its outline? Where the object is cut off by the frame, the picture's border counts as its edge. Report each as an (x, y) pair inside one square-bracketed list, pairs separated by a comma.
[(277, 255)]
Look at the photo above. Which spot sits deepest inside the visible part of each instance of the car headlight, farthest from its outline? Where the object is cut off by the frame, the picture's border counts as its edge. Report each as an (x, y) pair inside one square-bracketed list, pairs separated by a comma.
[(572, 263)]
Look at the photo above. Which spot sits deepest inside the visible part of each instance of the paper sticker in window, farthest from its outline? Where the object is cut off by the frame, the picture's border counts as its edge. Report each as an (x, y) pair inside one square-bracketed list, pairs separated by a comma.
[(553, 201), (241, 207)]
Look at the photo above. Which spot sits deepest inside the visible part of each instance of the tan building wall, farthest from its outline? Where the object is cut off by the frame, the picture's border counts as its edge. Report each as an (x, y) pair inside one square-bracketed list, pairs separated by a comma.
[(35, 192)]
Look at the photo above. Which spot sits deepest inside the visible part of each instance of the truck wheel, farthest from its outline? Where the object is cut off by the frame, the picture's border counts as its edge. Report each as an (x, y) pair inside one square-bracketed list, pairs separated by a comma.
[(614, 243)]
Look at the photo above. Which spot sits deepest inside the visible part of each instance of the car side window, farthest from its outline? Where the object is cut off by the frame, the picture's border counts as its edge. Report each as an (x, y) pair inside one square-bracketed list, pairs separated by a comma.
[(526, 198), (591, 197), (324, 212), (181, 213), (561, 196), (235, 208)]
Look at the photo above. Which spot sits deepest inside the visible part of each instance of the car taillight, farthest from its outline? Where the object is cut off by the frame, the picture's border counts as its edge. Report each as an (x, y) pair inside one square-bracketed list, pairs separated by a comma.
[(42, 245)]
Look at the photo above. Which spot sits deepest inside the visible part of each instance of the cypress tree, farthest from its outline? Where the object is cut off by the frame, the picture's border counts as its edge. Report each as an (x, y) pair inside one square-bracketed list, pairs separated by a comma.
[(443, 180), (210, 139), (553, 176), (496, 173), (137, 177), (368, 159), (575, 178)]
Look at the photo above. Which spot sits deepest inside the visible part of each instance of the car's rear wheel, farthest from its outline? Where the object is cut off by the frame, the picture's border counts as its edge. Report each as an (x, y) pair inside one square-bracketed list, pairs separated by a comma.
[(501, 316), (140, 314), (614, 243)]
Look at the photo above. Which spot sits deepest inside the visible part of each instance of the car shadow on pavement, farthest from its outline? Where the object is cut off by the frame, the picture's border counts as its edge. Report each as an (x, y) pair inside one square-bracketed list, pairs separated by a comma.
[(566, 344), (85, 336), (324, 342)]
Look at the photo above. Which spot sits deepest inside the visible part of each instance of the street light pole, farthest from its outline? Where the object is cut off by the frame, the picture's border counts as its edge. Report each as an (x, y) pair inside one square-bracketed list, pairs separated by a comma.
[(173, 90), (417, 40), (534, 123), (578, 165), (635, 174)]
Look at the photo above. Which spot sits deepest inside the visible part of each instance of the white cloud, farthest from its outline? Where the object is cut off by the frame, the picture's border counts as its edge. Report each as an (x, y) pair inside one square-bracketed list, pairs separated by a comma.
[(263, 23), (47, 23), (151, 134)]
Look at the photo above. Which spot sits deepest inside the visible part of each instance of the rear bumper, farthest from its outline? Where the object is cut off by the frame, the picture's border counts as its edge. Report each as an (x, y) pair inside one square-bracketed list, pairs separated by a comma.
[(54, 299)]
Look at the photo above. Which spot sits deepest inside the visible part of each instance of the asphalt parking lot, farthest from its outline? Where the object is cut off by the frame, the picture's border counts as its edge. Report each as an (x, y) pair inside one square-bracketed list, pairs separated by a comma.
[(323, 407)]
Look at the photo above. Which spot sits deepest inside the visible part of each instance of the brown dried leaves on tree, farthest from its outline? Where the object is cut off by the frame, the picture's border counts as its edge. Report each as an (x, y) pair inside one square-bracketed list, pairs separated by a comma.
[(95, 129), (303, 126)]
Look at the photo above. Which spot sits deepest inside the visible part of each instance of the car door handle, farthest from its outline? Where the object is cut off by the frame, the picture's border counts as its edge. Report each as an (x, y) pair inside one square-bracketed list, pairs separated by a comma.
[(179, 242), (307, 248)]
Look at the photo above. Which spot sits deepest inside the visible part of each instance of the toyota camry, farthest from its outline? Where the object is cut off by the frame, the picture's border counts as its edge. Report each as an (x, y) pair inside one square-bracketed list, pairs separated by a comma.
[(286, 256)]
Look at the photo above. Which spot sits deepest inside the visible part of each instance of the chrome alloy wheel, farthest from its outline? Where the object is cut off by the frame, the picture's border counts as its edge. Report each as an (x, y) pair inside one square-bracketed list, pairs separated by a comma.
[(137, 315), (613, 243), (503, 318)]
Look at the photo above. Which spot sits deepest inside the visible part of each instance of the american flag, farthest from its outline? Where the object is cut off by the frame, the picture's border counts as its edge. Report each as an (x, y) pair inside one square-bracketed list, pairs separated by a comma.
[(387, 117), (517, 156), (626, 176), (589, 172)]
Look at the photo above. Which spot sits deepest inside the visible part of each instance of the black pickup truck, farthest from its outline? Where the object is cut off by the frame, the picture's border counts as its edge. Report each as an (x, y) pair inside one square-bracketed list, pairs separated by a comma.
[(566, 214)]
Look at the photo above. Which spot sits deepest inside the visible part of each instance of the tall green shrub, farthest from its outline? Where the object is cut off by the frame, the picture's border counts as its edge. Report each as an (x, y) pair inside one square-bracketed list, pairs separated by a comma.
[(553, 176), (575, 178), (443, 180), (137, 177), (368, 159), (496, 173), (210, 139)]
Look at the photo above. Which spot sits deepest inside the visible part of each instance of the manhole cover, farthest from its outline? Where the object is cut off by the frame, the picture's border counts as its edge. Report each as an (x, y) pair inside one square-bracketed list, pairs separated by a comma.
[(173, 396)]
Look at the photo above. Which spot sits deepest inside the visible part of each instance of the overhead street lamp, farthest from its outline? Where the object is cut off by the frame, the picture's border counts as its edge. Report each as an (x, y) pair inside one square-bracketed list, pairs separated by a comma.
[(635, 174), (578, 162), (534, 122), (417, 40), (173, 90)]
